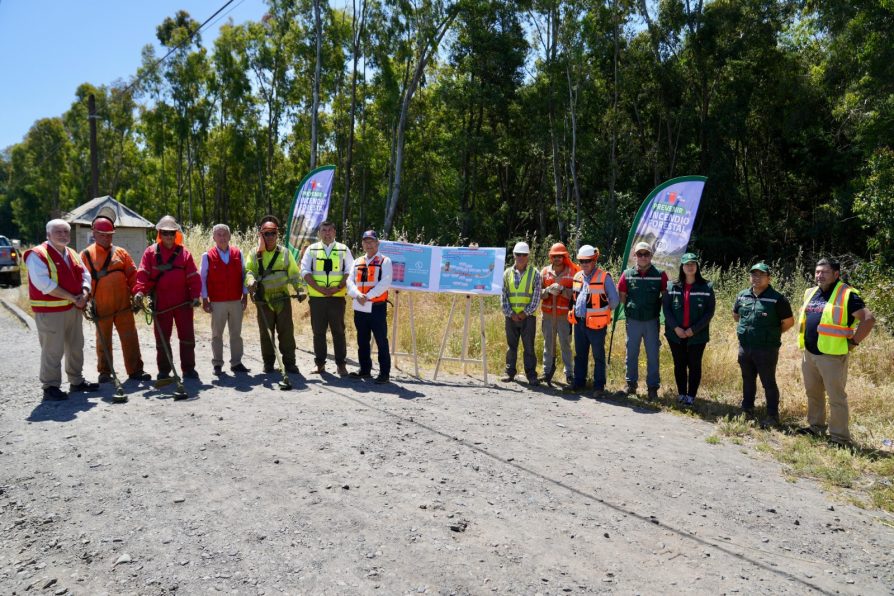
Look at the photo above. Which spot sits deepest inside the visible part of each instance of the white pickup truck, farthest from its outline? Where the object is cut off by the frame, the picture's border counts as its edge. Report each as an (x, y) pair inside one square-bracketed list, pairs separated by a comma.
[(10, 257)]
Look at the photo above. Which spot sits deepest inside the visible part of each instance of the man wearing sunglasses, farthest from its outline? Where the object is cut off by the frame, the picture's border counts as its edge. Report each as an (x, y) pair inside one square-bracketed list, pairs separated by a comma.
[(268, 274), (641, 289), (520, 300), (168, 274)]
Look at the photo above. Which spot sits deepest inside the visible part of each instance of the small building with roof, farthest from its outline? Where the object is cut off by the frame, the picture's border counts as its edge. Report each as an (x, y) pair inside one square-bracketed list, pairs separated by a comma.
[(130, 226)]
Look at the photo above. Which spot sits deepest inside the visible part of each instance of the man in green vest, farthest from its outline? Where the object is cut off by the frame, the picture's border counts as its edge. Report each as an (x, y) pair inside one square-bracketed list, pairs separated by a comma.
[(828, 332), (641, 289), (520, 300), (269, 272), (762, 315), (325, 267)]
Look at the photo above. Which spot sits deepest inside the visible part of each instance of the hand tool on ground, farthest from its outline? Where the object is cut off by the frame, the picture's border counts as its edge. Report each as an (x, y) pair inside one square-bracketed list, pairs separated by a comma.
[(180, 392), (92, 315), (258, 298)]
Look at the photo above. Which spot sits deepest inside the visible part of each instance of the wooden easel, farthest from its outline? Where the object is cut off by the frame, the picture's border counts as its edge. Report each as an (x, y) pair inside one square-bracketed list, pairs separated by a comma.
[(394, 327), (464, 357)]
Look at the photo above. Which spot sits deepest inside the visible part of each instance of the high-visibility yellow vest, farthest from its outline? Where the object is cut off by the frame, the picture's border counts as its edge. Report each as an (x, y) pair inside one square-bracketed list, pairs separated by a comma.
[(520, 295), (327, 270), (833, 329)]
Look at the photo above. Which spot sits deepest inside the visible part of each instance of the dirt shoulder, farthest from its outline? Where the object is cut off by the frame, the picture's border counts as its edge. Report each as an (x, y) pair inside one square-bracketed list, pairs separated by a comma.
[(448, 487)]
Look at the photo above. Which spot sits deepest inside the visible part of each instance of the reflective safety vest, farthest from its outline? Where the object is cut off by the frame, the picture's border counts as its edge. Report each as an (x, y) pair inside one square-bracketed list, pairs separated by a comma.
[(599, 313), (566, 280), (367, 276), (833, 329), (274, 277), (68, 276), (327, 270), (520, 295)]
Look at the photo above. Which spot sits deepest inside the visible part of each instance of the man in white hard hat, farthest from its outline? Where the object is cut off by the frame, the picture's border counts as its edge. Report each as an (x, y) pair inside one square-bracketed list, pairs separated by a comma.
[(594, 297), (520, 300)]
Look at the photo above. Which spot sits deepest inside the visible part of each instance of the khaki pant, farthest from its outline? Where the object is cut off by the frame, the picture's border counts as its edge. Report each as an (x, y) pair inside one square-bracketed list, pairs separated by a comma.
[(60, 333), (226, 314), (824, 374)]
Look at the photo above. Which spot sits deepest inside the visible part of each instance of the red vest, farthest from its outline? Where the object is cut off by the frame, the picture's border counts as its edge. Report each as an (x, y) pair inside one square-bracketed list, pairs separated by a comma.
[(368, 275), (68, 277), (224, 281)]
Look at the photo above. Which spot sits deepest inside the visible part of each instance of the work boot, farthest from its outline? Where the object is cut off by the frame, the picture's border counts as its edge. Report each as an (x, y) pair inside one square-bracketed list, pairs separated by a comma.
[(507, 379), (268, 368), (54, 394), (85, 386), (770, 422), (292, 369), (533, 381), (382, 379), (218, 370), (140, 376), (239, 368), (653, 393), (360, 375), (320, 369), (190, 374), (631, 388), (104, 378), (342, 370)]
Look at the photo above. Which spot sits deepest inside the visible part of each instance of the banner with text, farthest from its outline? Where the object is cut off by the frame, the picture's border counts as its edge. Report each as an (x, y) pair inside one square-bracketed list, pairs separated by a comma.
[(665, 221), (309, 208), (426, 268)]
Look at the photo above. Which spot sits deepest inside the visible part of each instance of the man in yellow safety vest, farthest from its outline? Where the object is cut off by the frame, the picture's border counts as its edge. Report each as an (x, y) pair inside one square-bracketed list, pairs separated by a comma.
[(520, 300)]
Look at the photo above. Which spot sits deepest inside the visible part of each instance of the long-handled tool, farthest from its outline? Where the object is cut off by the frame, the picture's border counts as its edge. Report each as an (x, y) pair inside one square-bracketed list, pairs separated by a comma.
[(180, 393), (92, 315), (258, 298)]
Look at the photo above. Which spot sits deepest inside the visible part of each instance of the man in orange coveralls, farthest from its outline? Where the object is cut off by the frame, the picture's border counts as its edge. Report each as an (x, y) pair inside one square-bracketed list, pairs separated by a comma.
[(168, 274), (113, 276)]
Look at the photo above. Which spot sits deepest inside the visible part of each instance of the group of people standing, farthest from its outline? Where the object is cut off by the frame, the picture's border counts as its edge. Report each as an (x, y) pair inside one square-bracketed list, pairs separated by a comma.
[(578, 300), (575, 299), (104, 282)]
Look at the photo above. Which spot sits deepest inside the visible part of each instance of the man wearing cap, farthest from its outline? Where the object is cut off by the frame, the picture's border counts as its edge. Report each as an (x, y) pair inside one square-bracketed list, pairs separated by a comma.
[(641, 289), (762, 315), (520, 299), (59, 287), (224, 296), (168, 275), (833, 321), (268, 274), (114, 276), (558, 278), (325, 267), (368, 285), (594, 297)]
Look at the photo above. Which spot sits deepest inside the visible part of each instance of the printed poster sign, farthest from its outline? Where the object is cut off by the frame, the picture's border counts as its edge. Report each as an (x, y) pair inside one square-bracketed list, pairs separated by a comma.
[(425, 268), (309, 208)]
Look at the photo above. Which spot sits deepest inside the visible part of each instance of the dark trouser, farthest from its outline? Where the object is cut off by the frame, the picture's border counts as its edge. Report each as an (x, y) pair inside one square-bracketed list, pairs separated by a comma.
[(586, 340), (756, 362), (280, 323), (687, 365), (524, 330), (375, 323), (183, 318), (328, 313)]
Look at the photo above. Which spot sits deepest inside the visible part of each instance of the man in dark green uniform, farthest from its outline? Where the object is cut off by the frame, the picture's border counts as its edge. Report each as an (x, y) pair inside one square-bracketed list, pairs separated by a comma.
[(763, 315)]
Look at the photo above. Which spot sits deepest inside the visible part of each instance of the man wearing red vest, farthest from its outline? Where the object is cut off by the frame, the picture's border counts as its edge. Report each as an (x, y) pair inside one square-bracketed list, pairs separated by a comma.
[(368, 285), (168, 274), (224, 295), (557, 279), (59, 286), (114, 274)]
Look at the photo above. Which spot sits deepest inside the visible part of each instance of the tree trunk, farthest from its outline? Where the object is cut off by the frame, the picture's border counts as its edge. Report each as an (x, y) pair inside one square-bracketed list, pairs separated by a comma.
[(357, 30), (315, 108)]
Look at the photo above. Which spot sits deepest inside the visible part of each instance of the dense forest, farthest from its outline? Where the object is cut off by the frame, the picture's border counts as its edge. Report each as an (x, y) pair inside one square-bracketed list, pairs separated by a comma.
[(491, 120)]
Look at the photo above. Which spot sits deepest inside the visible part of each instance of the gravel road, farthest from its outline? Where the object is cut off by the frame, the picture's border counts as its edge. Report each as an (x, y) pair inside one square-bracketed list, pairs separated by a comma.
[(345, 487)]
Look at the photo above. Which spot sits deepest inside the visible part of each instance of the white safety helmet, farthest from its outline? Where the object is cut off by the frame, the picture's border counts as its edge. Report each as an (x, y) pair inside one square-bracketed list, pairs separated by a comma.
[(587, 252), (521, 248)]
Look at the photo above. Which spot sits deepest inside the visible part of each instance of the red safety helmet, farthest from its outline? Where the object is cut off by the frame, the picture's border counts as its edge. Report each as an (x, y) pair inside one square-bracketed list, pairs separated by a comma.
[(103, 224)]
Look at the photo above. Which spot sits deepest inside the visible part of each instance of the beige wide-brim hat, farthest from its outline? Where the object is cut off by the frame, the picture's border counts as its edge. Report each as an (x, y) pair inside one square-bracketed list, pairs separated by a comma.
[(167, 223)]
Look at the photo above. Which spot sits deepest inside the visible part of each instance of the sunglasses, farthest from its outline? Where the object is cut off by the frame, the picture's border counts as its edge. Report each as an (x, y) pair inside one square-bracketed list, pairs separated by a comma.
[(270, 234), (168, 233), (585, 261), (642, 255)]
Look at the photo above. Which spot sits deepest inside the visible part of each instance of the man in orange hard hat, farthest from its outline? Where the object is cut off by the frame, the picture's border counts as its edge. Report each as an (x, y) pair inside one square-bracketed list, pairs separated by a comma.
[(557, 279), (113, 276)]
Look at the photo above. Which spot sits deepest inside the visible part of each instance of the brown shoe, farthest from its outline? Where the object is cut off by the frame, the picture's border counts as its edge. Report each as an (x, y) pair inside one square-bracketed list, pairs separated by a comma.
[(320, 369), (342, 370)]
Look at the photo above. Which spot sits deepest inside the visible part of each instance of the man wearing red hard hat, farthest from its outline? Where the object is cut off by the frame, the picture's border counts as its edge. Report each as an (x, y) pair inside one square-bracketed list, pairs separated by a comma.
[(557, 279), (113, 275)]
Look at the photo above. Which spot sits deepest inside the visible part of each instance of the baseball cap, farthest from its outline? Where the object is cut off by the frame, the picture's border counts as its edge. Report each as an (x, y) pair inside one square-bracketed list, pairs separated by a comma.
[(370, 234), (760, 267), (689, 257), (642, 246)]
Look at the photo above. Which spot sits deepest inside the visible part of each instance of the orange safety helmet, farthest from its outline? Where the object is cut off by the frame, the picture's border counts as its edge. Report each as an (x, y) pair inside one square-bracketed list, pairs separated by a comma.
[(558, 249)]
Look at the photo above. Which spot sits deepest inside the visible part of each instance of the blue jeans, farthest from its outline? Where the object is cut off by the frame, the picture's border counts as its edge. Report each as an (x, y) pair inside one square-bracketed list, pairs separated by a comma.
[(647, 333), (585, 340), (375, 323)]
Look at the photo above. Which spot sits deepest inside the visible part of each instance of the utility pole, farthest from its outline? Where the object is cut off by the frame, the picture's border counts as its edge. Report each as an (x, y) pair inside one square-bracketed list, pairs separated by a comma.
[(94, 158)]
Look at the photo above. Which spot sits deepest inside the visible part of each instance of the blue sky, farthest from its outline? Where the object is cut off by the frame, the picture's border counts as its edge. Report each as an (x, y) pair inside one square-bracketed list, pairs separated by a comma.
[(49, 47)]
